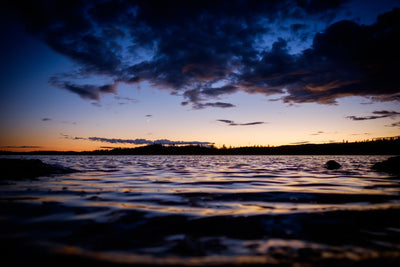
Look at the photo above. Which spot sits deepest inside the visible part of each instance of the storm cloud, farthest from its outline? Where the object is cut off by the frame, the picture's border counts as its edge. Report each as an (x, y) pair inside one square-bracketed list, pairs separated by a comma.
[(204, 50)]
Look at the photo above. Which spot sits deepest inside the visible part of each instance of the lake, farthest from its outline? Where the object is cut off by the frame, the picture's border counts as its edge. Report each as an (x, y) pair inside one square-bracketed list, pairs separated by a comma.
[(203, 210)]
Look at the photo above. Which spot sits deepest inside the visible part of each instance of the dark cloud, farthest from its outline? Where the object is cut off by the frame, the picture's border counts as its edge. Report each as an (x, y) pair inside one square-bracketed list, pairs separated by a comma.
[(145, 141), (214, 105), (355, 118), (120, 141), (227, 89), (201, 94), (137, 141), (386, 113), (232, 123), (91, 92), (346, 59), (377, 115), (192, 47), (63, 122), (169, 142)]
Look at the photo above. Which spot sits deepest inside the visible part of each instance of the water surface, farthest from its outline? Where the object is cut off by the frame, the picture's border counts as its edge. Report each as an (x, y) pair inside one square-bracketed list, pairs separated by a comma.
[(198, 210)]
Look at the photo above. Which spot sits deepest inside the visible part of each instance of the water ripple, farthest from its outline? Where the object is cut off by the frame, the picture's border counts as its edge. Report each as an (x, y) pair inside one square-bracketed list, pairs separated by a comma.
[(197, 207)]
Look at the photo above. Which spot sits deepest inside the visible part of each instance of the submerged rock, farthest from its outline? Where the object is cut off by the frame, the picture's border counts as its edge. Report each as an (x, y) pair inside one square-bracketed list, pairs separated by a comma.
[(391, 165), (11, 169), (332, 165)]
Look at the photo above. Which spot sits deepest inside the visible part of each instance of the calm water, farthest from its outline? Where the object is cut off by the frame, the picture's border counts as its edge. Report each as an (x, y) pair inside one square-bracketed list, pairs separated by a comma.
[(197, 210)]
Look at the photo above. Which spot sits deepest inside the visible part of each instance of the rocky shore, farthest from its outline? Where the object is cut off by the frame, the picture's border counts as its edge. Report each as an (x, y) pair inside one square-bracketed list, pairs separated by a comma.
[(391, 165), (16, 169)]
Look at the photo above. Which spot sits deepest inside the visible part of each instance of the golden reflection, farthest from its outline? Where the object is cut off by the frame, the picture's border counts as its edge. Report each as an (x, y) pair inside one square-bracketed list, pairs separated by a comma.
[(224, 209), (131, 258), (272, 251)]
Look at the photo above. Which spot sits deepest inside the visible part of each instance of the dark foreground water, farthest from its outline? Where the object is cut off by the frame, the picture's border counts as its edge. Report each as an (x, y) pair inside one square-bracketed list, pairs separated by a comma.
[(203, 210)]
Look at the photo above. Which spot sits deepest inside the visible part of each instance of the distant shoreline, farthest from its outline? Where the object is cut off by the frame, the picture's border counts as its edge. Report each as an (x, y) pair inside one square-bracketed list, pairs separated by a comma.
[(385, 146)]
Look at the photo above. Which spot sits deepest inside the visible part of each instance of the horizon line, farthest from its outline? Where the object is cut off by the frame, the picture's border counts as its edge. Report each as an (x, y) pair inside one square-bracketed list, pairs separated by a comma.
[(209, 146)]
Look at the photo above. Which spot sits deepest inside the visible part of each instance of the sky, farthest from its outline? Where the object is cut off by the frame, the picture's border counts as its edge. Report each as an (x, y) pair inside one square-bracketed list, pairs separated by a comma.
[(85, 75)]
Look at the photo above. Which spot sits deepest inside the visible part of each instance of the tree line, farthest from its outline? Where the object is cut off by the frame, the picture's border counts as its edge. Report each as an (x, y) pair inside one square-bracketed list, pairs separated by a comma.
[(378, 146)]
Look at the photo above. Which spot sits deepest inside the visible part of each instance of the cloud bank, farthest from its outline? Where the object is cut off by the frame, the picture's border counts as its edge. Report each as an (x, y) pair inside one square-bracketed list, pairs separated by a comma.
[(137, 141), (206, 50)]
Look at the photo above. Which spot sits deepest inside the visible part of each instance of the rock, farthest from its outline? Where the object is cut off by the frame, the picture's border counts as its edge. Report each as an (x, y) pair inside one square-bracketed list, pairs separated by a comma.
[(391, 165), (332, 165), (14, 169)]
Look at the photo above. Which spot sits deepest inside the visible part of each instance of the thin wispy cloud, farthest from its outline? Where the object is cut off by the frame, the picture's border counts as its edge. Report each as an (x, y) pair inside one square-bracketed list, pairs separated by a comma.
[(361, 134), (69, 122), (395, 124), (125, 100), (232, 123), (214, 105), (318, 133), (46, 119), (377, 115)]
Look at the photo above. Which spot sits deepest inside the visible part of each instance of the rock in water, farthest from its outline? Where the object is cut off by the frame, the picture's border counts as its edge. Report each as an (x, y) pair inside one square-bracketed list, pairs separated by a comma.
[(28, 169), (391, 165), (332, 165)]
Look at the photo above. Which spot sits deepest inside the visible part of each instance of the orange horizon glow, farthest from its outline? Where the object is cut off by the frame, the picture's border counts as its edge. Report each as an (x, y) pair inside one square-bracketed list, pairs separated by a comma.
[(85, 145)]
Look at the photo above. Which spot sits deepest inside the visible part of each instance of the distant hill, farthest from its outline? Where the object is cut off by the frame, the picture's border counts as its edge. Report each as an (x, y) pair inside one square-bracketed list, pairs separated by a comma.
[(382, 146)]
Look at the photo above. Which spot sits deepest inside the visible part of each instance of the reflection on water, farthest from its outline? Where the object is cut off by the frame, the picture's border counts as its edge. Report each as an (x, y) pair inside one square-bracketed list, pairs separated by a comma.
[(201, 209)]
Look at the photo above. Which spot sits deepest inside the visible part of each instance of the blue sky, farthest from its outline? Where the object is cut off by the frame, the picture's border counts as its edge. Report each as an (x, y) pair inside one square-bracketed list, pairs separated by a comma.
[(224, 72)]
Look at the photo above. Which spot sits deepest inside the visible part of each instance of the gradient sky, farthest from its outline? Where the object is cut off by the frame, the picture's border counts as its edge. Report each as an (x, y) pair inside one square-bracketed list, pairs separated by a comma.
[(83, 75)]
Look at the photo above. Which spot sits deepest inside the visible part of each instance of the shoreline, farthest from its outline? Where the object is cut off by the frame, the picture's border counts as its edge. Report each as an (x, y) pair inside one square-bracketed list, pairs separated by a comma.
[(389, 146)]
